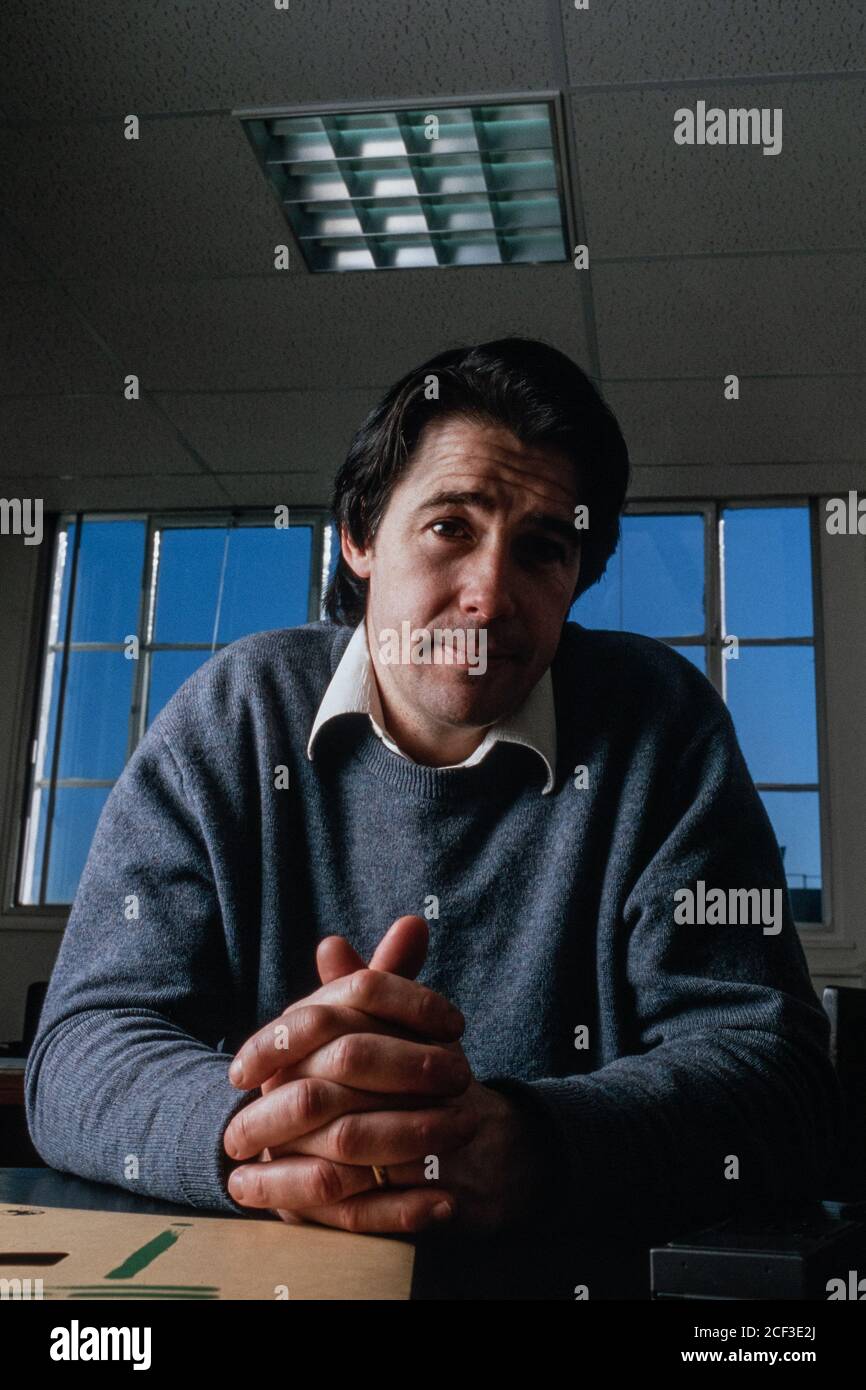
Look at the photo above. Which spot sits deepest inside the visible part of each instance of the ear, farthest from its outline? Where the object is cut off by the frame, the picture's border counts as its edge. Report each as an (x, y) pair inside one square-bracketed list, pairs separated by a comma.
[(356, 557)]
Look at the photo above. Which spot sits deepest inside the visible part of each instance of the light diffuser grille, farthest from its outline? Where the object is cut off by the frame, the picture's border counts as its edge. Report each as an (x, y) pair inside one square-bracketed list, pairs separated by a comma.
[(442, 186)]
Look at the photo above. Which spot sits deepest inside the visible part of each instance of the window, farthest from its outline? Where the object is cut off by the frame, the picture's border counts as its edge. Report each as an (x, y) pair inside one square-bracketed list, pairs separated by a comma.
[(136, 605), (730, 587)]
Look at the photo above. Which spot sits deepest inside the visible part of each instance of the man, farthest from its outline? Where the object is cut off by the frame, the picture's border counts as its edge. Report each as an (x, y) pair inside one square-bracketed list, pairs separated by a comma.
[(524, 831)]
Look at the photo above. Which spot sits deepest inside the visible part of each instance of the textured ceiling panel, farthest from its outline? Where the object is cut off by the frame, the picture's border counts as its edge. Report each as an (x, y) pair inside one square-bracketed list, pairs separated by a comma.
[(100, 57), (313, 332), (86, 435), (145, 492), (761, 314), (637, 41), (16, 263), (646, 195), (796, 420), (760, 481), (270, 490), (186, 197), (166, 244), (44, 346), (272, 430)]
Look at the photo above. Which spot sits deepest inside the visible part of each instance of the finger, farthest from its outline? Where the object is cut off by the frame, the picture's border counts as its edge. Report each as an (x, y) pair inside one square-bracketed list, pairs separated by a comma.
[(297, 1182), (389, 1137), (403, 948), (372, 1062), (389, 1213), (307, 1027), (417, 1172), (335, 958), (402, 951), (299, 1107), (387, 997)]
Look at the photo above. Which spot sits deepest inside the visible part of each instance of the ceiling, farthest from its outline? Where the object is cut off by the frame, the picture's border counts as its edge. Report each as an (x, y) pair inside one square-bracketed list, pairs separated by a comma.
[(155, 256)]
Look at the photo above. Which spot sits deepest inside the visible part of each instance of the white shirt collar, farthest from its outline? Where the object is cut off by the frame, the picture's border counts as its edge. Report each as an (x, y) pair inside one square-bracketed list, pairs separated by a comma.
[(353, 690)]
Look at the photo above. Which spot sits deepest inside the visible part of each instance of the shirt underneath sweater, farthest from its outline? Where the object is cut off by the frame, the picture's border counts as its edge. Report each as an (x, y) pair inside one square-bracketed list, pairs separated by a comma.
[(555, 929)]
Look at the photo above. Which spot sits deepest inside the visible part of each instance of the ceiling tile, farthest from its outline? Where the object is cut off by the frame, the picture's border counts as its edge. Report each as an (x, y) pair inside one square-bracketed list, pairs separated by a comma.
[(44, 347), (17, 265), (98, 58), (85, 435), (281, 331), (749, 315), (787, 420), (283, 431), (142, 492), (271, 490), (187, 197), (657, 197), (634, 41), (738, 480)]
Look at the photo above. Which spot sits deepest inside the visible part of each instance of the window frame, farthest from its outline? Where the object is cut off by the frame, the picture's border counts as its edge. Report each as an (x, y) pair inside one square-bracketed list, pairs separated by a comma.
[(159, 520), (712, 642), (821, 934)]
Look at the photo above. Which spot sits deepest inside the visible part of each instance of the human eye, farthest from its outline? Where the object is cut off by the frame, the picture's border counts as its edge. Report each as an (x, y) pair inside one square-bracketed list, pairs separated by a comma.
[(447, 521)]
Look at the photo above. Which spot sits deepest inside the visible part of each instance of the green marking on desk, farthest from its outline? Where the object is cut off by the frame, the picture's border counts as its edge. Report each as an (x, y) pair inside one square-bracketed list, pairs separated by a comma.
[(139, 1259)]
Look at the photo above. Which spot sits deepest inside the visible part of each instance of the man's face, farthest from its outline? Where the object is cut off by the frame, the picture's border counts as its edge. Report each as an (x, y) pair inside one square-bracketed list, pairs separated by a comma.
[(478, 533)]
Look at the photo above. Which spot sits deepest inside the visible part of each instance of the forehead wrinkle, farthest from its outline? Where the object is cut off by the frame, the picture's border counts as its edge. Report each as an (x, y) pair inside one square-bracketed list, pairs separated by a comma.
[(528, 482), (496, 441), (499, 454)]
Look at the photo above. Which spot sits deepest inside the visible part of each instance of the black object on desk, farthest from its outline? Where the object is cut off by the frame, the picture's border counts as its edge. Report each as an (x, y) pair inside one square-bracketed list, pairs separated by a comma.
[(795, 1253), (791, 1257)]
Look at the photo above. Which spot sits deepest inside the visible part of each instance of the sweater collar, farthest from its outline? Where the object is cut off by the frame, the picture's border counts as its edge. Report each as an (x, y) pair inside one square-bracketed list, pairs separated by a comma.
[(353, 690)]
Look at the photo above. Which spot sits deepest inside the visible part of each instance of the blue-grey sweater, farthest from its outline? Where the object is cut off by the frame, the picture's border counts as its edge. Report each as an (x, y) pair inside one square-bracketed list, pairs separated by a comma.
[(675, 1069)]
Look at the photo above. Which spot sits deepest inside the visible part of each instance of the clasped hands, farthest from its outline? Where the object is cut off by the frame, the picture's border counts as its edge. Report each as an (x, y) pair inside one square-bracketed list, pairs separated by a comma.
[(369, 1070)]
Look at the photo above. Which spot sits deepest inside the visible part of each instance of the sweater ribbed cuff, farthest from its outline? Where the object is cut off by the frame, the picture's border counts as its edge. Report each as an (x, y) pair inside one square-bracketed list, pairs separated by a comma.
[(202, 1163)]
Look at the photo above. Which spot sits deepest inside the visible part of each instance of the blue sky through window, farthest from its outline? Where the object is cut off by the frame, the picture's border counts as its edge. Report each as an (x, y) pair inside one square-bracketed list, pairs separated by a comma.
[(655, 585), (213, 584)]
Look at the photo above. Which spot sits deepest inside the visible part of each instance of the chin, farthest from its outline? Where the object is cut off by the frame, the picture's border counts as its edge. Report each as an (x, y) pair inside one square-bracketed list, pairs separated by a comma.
[(472, 700)]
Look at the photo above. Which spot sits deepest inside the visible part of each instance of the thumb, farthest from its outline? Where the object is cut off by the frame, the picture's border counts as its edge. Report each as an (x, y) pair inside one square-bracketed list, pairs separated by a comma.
[(336, 958), (403, 948), (402, 951)]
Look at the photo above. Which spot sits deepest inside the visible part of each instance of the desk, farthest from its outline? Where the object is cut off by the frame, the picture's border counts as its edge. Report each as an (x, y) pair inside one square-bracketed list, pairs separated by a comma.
[(85, 1241), (447, 1266), (16, 1146), (12, 1080)]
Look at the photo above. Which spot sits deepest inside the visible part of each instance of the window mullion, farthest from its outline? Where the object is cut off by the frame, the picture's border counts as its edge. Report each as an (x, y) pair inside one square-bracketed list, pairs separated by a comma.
[(142, 672), (715, 669), (821, 725), (314, 589), (61, 695)]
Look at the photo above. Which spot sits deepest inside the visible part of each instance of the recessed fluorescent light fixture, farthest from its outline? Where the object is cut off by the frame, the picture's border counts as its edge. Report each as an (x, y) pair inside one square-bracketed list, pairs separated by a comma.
[(470, 184)]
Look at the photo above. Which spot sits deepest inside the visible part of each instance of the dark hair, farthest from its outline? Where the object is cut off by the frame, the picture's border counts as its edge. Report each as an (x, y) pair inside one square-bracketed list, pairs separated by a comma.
[(531, 388)]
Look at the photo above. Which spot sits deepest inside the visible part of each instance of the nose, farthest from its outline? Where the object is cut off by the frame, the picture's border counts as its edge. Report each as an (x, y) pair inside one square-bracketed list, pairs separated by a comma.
[(487, 583)]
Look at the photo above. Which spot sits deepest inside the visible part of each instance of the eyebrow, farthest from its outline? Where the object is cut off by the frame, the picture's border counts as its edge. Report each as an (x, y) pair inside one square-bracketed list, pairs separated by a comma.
[(544, 521)]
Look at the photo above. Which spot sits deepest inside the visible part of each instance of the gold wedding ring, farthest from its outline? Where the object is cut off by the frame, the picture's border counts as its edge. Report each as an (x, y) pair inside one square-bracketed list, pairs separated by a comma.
[(381, 1175)]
